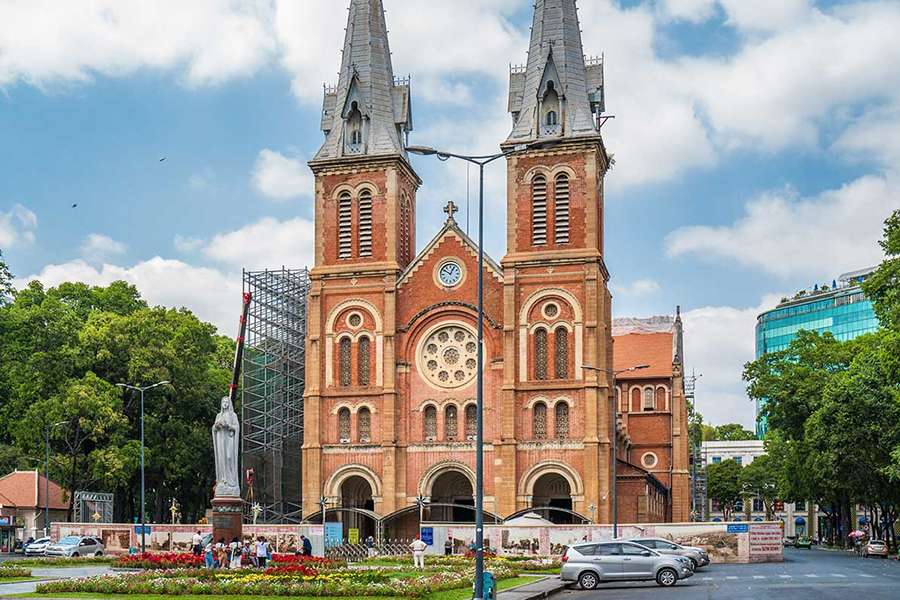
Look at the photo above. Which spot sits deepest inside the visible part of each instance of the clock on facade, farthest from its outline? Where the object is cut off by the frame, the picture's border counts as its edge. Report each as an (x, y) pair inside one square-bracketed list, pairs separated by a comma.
[(450, 273)]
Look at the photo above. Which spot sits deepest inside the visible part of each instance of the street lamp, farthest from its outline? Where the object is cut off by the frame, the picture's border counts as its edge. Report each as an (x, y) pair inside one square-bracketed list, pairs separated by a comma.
[(615, 435), (142, 390), (481, 161), (47, 429)]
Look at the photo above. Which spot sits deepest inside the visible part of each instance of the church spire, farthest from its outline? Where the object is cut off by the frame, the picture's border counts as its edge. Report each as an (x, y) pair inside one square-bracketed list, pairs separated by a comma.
[(559, 92), (368, 113)]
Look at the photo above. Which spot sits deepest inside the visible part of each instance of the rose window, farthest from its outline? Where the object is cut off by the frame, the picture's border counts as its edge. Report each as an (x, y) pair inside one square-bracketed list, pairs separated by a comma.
[(449, 356)]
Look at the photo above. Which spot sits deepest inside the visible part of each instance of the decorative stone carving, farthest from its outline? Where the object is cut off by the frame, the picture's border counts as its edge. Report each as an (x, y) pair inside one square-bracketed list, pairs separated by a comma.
[(226, 437)]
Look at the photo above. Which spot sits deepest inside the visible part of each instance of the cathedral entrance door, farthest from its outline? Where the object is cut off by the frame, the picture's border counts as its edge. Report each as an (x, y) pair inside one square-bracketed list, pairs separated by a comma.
[(551, 490), (452, 487), (357, 493)]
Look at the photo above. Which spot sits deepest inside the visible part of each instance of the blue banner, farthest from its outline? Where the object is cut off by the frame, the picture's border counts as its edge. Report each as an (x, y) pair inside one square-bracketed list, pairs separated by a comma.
[(137, 530), (334, 533), (738, 528), (428, 535)]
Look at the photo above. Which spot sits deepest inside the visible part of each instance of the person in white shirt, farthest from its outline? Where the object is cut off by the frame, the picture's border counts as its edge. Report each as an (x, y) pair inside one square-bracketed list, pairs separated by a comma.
[(262, 552), (235, 546), (418, 551), (196, 544)]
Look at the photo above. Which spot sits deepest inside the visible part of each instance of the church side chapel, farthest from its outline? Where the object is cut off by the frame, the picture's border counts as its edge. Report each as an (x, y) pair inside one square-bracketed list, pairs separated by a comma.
[(389, 406)]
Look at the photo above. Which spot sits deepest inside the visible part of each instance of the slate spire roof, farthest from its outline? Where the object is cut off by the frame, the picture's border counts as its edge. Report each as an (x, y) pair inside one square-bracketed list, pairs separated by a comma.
[(366, 83), (555, 54)]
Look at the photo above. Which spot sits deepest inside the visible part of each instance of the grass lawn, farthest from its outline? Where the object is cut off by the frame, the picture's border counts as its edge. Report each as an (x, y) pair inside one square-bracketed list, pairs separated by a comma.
[(458, 594), (18, 579)]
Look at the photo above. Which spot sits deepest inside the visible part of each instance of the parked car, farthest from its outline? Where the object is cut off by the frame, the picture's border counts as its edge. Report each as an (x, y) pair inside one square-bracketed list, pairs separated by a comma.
[(591, 564), (76, 545), (698, 556), (803, 542), (38, 547), (789, 540), (876, 548)]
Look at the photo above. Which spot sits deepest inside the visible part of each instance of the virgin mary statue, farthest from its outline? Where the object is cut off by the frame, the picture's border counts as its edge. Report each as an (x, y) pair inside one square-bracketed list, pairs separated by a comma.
[(226, 437)]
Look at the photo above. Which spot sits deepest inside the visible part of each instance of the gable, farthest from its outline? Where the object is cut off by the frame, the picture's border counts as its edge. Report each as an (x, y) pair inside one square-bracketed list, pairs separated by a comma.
[(466, 248)]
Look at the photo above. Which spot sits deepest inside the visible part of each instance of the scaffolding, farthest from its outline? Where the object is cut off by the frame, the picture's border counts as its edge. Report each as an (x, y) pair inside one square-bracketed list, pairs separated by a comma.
[(699, 503), (273, 369)]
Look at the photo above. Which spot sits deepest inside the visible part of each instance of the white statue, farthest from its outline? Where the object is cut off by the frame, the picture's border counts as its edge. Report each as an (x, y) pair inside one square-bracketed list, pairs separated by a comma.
[(226, 438)]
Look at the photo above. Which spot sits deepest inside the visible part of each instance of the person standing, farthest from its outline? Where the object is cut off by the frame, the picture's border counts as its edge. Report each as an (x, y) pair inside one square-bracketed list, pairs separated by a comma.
[(370, 546), (196, 543), (235, 548), (307, 546), (418, 551), (448, 547), (262, 552), (208, 555)]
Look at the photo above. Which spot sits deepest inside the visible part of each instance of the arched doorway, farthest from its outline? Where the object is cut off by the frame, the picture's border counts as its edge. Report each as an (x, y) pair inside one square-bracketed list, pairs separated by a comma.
[(452, 487), (553, 490), (357, 493)]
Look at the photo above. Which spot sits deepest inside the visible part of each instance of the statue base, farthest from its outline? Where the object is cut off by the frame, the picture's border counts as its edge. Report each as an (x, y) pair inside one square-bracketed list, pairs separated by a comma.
[(227, 518)]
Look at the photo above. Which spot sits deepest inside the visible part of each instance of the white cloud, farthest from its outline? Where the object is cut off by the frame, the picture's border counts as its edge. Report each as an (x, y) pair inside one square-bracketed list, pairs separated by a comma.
[(785, 235), (211, 294), (693, 11), (97, 247), (202, 180), (765, 15), (280, 177), (186, 244), (718, 341), (638, 287), (874, 136), (17, 226), (267, 243)]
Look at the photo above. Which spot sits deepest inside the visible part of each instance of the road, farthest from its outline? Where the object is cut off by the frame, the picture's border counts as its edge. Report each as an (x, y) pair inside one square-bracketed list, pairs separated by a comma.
[(804, 575)]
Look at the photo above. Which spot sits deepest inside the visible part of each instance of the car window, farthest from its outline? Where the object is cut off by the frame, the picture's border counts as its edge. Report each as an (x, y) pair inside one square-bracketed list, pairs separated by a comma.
[(69, 540), (632, 550), (648, 543), (666, 545), (606, 549), (586, 549)]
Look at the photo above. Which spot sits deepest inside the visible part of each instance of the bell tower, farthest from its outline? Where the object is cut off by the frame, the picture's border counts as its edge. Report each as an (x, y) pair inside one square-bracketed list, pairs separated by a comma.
[(365, 211), (554, 263)]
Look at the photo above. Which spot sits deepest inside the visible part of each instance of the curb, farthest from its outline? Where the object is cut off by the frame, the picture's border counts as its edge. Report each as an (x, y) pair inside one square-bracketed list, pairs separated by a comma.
[(537, 594)]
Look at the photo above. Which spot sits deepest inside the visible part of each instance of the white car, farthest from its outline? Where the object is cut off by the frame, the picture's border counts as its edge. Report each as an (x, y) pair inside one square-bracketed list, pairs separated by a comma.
[(75, 546), (38, 547)]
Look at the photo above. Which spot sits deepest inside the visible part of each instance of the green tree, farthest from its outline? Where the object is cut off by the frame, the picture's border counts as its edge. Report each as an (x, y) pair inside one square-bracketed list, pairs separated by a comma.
[(760, 479), (6, 287), (733, 432), (883, 286), (723, 481)]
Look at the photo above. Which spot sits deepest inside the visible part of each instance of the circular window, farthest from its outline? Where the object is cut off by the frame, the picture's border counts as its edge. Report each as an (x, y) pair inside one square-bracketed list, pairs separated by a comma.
[(354, 320), (449, 273), (448, 356), (551, 310), (649, 460)]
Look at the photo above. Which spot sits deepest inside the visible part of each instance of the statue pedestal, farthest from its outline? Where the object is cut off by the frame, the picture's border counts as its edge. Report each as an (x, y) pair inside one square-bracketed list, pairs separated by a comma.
[(227, 518)]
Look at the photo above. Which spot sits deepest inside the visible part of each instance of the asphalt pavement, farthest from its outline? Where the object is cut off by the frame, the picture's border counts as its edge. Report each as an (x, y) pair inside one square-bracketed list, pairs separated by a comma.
[(804, 575)]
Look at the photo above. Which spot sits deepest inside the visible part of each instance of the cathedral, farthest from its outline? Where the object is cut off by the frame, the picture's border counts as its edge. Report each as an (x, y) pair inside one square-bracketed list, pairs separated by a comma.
[(389, 406)]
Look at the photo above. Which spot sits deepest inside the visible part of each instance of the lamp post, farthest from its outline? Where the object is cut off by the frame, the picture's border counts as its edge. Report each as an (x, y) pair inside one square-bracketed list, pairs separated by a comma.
[(142, 390), (420, 502), (615, 434), (47, 429), (481, 161)]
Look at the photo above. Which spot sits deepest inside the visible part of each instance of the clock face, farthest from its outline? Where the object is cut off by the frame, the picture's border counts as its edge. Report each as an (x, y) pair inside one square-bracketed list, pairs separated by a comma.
[(450, 273)]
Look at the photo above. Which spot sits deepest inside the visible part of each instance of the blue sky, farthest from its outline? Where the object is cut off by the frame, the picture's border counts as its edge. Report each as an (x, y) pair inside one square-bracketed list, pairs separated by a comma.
[(756, 150)]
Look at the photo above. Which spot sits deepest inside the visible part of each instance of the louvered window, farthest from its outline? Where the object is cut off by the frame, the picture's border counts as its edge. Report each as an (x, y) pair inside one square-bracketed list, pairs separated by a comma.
[(539, 210), (362, 359), (561, 360), (648, 399), (539, 421), (561, 209), (365, 223), (345, 225), (364, 424), (540, 354), (344, 361), (562, 420), (451, 424), (344, 425), (471, 422), (405, 242), (430, 423)]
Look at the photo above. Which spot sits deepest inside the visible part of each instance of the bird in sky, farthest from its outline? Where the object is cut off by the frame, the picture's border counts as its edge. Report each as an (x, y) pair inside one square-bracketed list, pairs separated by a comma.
[(75, 205), (162, 159)]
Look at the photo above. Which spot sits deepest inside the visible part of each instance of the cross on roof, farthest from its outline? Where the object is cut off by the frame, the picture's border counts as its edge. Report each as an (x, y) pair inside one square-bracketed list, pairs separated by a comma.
[(451, 210)]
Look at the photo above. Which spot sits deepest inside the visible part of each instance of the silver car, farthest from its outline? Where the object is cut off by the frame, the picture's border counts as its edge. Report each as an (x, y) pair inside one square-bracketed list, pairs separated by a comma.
[(593, 563), (76, 545), (37, 548), (699, 557)]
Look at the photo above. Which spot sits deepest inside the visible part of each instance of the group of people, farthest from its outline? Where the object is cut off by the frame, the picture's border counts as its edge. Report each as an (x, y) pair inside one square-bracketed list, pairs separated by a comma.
[(237, 554)]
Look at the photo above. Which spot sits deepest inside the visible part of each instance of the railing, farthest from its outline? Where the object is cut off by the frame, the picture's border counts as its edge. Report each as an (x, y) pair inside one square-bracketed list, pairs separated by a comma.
[(357, 552)]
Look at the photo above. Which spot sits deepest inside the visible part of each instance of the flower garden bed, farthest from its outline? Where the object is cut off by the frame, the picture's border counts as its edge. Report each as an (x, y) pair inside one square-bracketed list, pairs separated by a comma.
[(8, 572), (62, 561)]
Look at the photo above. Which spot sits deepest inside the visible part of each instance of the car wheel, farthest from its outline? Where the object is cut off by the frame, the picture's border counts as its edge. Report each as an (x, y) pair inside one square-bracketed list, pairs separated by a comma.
[(667, 577), (98, 553), (694, 565), (588, 580), (75, 555)]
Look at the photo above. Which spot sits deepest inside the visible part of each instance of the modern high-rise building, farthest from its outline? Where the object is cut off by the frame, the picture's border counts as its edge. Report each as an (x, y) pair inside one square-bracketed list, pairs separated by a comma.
[(841, 309)]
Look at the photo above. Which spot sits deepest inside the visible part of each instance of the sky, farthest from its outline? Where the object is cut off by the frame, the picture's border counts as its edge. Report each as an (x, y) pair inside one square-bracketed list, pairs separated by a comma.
[(756, 145)]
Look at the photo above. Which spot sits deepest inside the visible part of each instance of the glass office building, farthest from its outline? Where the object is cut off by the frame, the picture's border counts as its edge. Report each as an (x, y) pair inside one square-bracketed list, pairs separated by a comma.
[(841, 309)]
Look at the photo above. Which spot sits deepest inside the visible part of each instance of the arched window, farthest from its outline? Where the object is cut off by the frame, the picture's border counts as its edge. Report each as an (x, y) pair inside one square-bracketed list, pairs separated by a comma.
[(429, 425), (550, 107), (562, 420), (561, 209), (365, 223), (354, 127), (561, 358), (471, 421), (362, 361), (540, 353), (405, 233), (364, 425), (345, 225), (660, 398), (551, 118), (451, 425), (344, 359), (344, 425), (648, 399), (539, 421), (539, 210), (635, 399)]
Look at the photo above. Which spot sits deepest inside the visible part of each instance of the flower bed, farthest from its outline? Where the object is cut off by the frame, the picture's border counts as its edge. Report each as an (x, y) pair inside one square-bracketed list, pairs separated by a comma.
[(301, 580), (317, 561), (160, 560), (11, 571)]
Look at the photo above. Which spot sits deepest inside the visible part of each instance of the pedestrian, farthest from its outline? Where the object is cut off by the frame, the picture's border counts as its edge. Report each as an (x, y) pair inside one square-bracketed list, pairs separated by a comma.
[(370, 546), (196, 543), (219, 555), (235, 548), (208, 555), (307, 545), (418, 551), (448, 547), (262, 552), (247, 553)]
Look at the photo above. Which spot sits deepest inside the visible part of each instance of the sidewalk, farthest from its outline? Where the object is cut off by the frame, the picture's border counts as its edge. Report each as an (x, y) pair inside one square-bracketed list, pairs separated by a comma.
[(543, 588)]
